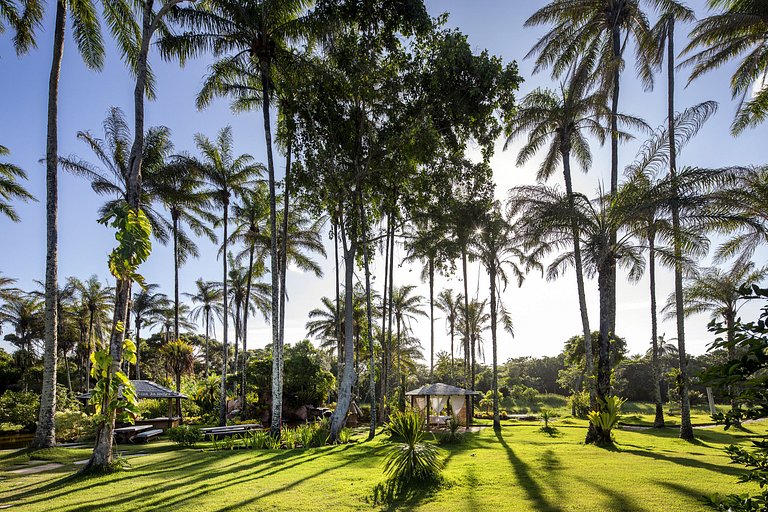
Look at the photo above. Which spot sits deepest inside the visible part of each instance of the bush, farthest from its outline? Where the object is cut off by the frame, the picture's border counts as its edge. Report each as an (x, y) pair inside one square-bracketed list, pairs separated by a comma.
[(524, 394), (412, 460), (579, 403), (19, 408), (206, 395), (609, 414), (72, 425), (153, 408), (453, 436), (185, 435)]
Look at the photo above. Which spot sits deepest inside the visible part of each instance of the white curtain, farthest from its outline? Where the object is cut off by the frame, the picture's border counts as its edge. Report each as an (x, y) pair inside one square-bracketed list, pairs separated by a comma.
[(437, 403), (421, 403), (457, 404)]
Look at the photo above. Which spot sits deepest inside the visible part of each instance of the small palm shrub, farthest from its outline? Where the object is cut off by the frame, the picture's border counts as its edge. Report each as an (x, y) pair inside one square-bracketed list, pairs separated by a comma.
[(454, 434), (185, 435), (547, 416), (609, 414), (412, 460)]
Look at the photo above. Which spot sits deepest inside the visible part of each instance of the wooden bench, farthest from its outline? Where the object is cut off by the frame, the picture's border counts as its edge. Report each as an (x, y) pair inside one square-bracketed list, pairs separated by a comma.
[(126, 434), (146, 436), (229, 430)]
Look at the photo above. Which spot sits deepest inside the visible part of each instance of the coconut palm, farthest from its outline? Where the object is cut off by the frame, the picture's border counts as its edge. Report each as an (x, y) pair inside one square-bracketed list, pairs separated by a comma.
[(224, 175), (146, 304), (748, 197), (10, 188), (7, 290), (323, 324), (178, 188), (740, 27), (559, 123), (24, 314), (165, 318), (718, 292), (98, 300), (499, 250), (448, 303), (208, 298), (478, 319), (112, 178), (255, 34), (90, 45), (179, 359)]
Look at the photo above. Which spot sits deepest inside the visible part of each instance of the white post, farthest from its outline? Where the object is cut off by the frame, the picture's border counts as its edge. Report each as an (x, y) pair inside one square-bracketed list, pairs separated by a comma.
[(711, 400)]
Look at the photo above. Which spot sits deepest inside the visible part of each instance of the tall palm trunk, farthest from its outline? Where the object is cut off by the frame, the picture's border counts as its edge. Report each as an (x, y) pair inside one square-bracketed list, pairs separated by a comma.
[(337, 305), (207, 325), (604, 278), (223, 397), (277, 349), (578, 263), (730, 324), (431, 317), (45, 435), (452, 348), (369, 329), (138, 348), (467, 334), (384, 342), (492, 275), (88, 356), (246, 314), (284, 241), (390, 308), (658, 421), (175, 216)]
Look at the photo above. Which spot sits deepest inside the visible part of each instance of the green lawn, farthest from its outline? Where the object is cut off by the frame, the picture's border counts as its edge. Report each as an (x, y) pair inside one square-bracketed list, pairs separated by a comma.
[(523, 470)]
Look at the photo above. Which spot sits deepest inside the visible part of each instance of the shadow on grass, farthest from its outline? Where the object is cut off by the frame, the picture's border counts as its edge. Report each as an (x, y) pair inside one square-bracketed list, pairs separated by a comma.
[(616, 498), (406, 496), (638, 451), (526, 479)]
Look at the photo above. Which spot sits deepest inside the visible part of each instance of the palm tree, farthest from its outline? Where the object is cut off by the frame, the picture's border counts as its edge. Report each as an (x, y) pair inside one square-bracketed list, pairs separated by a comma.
[(207, 296), (323, 324), (91, 48), (225, 175), (718, 292), (97, 299), (23, 312), (748, 197), (22, 23), (448, 303), (739, 28), (406, 307), (146, 304), (255, 34), (179, 359), (10, 188), (499, 249), (560, 122), (478, 319), (178, 188), (112, 178), (165, 317)]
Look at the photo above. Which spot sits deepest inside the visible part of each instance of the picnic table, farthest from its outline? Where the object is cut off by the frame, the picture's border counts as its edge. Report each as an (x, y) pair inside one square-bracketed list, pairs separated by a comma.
[(229, 430), (126, 434)]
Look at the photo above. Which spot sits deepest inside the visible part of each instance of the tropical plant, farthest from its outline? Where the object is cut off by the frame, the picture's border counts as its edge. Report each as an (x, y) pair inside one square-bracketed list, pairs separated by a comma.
[(22, 23), (738, 28), (10, 188), (97, 300), (411, 460), (146, 305), (747, 197), (608, 417), (406, 307), (207, 297), (24, 314), (224, 175), (186, 436)]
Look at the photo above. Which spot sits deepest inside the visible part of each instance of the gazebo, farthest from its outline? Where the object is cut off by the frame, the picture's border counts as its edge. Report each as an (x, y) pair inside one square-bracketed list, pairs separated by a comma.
[(437, 397), (153, 390)]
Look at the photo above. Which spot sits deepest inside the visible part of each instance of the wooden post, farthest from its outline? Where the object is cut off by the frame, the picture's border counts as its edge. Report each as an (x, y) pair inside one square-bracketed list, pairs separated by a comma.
[(427, 412), (711, 400)]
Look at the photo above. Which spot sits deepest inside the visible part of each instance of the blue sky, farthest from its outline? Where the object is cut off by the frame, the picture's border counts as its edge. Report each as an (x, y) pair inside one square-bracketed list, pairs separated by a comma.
[(545, 313)]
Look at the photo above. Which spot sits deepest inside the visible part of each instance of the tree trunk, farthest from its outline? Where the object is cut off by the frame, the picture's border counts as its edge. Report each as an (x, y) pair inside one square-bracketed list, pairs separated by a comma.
[(45, 435), (730, 323), (339, 417), (471, 411), (579, 267), (284, 241), (369, 327), (207, 325), (496, 416), (246, 314), (277, 349), (390, 307), (384, 342), (431, 317), (225, 356), (337, 308), (658, 421), (138, 348), (175, 216), (605, 275), (88, 356)]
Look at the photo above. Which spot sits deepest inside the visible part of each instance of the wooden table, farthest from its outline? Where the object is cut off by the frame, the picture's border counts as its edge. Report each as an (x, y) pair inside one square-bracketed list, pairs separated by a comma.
[(125, 434)]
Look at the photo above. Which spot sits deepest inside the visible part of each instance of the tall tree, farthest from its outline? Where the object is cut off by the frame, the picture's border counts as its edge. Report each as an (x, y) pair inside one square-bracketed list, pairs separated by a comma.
[(406, 307), (98, 300), (146, 303), (207, 297), (448, 303), (224, 175), (23, 23)]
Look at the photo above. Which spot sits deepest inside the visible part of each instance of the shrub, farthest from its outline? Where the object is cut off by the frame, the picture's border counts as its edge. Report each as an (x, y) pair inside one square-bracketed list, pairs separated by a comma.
[(579, 402), (609, 414), (524, 394), (453, 435), (206, 394), (411, 460), (547, 416), (757, 462), (72, 425), (19, 408), (152, 408), (185, 435)]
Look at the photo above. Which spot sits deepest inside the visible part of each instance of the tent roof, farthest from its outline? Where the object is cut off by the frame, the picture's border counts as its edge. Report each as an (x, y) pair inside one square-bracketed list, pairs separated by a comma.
[(146, 389), (440, 389)]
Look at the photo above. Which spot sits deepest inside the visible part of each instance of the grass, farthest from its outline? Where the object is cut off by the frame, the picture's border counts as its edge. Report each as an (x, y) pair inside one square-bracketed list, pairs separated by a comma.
[(523, 469)]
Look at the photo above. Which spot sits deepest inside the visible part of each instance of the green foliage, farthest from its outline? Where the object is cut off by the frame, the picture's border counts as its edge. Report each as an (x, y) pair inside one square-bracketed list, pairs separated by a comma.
[(454, 434), (487, 401), (523, 394), (113, 391), (72, 425), (207, 394), (134, 244), (185, 435), (609, 414), (19, 408), (547, 416), (757, 462), (413, 459), (579, 403)]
